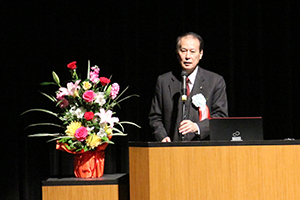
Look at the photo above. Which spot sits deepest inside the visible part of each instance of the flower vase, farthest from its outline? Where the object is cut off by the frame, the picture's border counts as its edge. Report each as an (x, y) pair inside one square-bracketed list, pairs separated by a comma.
[(89, 164)]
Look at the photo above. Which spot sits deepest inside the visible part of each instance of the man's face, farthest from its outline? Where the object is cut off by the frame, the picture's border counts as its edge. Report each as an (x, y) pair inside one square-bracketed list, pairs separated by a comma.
[(189, 54)]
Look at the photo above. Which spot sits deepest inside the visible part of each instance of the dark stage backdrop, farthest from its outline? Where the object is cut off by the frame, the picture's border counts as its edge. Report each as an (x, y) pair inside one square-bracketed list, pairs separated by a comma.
[(252, 44)]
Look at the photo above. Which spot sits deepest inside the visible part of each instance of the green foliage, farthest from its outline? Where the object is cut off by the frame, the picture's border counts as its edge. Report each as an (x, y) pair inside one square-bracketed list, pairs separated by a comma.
[(47, 83), (40, 110)]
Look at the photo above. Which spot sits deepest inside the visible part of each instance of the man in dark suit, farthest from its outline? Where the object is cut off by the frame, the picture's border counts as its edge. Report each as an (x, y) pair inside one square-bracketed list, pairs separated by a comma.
[(207, 98)]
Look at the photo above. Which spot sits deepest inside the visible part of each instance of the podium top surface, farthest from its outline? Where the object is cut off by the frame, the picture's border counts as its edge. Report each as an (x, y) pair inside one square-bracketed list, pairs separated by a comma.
[(214, 143), (106, 179)]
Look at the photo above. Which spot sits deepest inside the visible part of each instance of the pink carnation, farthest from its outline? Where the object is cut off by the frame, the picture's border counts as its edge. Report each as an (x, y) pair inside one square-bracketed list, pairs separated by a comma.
[(81, 134), (115, 88)]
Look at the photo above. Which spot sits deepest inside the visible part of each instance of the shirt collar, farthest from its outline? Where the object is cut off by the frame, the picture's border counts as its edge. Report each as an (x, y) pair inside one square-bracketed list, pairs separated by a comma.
[(193, 75)]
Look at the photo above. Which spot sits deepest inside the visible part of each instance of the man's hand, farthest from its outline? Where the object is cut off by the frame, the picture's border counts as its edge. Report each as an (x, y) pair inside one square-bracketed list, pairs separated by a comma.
[(187, 126), (166, 139)]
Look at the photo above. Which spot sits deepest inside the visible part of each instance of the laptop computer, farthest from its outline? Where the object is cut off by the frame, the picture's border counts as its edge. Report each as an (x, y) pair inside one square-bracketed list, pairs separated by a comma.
[(236, 129)]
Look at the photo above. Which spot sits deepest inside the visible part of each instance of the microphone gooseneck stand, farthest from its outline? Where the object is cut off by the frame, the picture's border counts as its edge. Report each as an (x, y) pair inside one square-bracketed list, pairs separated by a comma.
[(184, 99)]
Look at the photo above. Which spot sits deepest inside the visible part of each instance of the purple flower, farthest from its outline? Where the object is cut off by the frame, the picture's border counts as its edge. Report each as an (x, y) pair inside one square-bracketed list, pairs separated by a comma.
[(64, 103)]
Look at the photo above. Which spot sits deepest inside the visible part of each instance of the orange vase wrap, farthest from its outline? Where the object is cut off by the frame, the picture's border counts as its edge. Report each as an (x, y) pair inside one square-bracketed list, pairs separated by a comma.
[(88, 164)]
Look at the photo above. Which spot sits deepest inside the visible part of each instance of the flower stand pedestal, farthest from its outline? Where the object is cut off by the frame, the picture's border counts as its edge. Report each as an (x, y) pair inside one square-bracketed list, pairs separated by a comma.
[(109, 186)]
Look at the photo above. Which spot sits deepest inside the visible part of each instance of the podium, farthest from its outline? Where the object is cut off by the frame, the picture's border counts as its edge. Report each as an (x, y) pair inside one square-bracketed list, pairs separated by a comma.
[(109, 186), (256, 170)]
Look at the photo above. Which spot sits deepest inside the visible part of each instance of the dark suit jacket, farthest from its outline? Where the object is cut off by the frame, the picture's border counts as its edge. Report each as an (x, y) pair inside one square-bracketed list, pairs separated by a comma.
[(166, 109)]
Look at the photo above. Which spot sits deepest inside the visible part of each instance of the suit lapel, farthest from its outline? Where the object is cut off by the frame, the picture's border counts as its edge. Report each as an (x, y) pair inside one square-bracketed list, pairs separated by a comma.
[(175, 98), (197, 88), (175, 92), (174, 86), (199, 81)]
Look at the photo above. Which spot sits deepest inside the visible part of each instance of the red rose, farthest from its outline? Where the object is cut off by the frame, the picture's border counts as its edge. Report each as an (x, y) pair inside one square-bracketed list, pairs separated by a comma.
[(88, 116), (104, 81), (89, 96), (72, 65)]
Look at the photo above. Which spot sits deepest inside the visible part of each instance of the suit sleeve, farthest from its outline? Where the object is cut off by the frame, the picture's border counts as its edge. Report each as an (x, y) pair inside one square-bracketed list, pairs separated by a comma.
[(156, 113), (218, 108)]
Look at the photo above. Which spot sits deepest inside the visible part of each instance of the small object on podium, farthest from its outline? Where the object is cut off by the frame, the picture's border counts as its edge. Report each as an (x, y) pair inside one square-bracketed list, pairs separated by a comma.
[(236, 136), (289, 138), (236, 129)]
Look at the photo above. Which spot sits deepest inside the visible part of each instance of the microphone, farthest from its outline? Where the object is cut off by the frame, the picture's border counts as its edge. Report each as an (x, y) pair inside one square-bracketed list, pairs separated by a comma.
[(183, 96)]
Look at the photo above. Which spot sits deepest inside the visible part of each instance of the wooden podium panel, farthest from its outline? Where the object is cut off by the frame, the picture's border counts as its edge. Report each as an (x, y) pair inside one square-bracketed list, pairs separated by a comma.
[(215, 171), (109, 186)]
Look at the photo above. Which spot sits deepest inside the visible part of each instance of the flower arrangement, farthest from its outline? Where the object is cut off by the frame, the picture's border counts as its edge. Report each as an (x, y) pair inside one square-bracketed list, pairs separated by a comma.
[(86, 110)]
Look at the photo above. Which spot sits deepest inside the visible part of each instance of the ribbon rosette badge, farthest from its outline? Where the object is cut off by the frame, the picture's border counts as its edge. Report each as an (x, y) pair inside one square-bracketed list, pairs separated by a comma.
[(200, 102)]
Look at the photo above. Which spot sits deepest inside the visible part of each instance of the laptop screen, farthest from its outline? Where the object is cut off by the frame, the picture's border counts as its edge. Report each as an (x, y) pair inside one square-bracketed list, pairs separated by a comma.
[(236, 128)]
